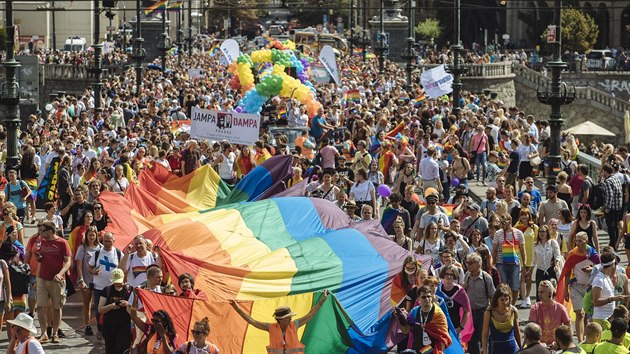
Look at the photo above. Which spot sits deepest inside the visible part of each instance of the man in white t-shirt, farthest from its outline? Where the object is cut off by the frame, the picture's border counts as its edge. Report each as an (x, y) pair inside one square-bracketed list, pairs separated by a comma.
[(135, 264), (101, 265)]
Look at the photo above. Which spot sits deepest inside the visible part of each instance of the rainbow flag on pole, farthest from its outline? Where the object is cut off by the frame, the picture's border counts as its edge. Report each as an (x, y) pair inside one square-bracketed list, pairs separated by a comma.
[(214, 49), (158, 6)]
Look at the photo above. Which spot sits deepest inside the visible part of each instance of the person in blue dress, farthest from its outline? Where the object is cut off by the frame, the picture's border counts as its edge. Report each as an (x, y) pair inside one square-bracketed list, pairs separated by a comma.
[(500, 324)]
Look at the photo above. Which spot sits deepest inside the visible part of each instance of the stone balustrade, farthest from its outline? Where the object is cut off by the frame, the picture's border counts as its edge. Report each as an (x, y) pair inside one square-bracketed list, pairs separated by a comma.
[(485, 71), (69, 71), (604, 100)]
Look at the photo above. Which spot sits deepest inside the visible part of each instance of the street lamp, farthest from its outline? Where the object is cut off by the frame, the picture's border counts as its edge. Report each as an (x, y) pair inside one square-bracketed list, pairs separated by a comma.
[(556, 94), (10, 92), (180, 36), (139, 53), (190, 39), (410, 52), (165, 42), (381, 46), (457, 68), (97, 69)]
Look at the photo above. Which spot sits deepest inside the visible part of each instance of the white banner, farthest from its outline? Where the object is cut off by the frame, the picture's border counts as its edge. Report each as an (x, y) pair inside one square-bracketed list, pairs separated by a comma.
[(195, 73), (230, 49), (437, 82), (237, 128), (327, 57)]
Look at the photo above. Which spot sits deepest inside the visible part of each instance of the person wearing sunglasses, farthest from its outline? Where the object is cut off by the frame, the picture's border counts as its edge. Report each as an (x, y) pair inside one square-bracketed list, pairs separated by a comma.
[(425, 325), (456, 300), (199, 344)]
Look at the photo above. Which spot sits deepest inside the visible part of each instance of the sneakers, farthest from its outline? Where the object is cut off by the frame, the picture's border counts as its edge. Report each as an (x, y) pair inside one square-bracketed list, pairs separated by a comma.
[(525, 304), (55, 339), (88, 331), (43, 339)]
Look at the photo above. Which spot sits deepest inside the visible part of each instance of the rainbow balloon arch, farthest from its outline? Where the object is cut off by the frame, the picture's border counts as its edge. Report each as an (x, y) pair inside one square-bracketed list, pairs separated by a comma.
[(273, 79)]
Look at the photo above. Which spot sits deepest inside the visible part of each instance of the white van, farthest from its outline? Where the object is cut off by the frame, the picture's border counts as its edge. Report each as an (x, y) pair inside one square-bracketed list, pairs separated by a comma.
[(75, 44)]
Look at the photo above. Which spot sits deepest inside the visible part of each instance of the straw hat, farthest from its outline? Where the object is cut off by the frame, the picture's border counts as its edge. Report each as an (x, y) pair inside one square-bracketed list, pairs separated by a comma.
[(283, 312)]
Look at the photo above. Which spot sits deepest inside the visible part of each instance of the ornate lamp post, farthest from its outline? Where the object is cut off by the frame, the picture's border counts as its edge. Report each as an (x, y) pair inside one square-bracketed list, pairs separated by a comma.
[(556, 94), (410, 52), (165, 43), (10, 92), (457, 68), (97, 69), (381, 46), (139, 53)]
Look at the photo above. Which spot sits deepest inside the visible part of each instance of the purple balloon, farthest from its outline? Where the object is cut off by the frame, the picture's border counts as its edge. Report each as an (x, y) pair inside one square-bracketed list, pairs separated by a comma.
[(238, 109), (384, 191), (455, 182)]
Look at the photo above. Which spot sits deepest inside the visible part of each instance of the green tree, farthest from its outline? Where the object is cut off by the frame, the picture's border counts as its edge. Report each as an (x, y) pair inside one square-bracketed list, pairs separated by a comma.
[(429, 28), (579, 30)]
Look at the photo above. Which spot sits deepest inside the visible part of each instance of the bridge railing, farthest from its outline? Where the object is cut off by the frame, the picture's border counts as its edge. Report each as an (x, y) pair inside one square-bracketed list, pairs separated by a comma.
[(481, 70), (70, 71), (593, 164), (595, 96)]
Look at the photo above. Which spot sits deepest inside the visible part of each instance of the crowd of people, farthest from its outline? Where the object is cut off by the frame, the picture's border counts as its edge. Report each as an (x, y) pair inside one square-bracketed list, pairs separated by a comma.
[(387, 151)]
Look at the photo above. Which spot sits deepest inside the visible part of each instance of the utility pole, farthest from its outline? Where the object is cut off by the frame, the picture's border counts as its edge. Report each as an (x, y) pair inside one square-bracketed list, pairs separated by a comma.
[(381, 46), (53, 8), (180, 36), (556, 94), (10, 92), (190, 39), (164, 43), (410, 52)]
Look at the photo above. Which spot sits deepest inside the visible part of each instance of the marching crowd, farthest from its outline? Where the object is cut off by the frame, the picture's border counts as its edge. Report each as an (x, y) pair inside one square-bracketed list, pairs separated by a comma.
[(392, 155)]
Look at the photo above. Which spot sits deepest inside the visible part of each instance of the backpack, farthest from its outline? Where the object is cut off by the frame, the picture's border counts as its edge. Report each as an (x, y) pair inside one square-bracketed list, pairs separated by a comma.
[(20, 275), (596, 196), (567, 169)]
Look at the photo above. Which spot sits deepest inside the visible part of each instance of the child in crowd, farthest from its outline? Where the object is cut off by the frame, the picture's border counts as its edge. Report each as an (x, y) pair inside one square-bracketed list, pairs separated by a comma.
[(593, 335)]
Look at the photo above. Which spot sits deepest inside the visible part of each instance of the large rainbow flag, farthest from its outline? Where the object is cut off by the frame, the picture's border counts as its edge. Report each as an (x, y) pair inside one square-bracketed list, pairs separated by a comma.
[(158, 6), (264, 251)]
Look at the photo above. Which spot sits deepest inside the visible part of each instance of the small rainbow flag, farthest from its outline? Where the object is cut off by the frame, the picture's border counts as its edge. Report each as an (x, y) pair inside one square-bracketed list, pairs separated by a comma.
[(214, 49), (282, 113), (353, 95), (556, 169), (158, 6), (403, 98), (357, 51), (176, 6)]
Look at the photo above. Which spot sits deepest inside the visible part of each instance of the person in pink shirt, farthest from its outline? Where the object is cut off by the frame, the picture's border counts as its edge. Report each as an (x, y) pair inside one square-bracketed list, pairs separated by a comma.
[(479, 147), (329, 154), (548, 313)]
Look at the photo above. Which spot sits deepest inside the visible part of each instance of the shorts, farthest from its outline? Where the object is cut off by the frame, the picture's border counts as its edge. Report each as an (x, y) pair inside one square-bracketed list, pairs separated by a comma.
[(19, 303), (577, 292), (32, 289), (525, 170), (53, 290), (510, 275)]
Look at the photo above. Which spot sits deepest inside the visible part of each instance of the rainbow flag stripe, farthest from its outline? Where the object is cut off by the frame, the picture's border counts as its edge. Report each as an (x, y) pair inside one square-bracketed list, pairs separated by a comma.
[(264, 252), (158, 6)]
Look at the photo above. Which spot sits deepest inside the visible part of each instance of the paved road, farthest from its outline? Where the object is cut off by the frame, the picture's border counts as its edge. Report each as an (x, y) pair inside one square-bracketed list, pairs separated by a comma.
[(72, 325), (75, 342)]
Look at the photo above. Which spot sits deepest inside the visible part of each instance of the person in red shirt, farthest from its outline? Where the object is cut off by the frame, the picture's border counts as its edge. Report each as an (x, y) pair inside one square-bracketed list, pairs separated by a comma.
[(54, 259)]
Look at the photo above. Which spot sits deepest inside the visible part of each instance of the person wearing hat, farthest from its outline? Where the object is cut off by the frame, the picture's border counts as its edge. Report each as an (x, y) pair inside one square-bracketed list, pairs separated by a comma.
[(550, 208), (351, 207), (432, 213), (113, 306), (22, 340), (283, 336), (474, 221)]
